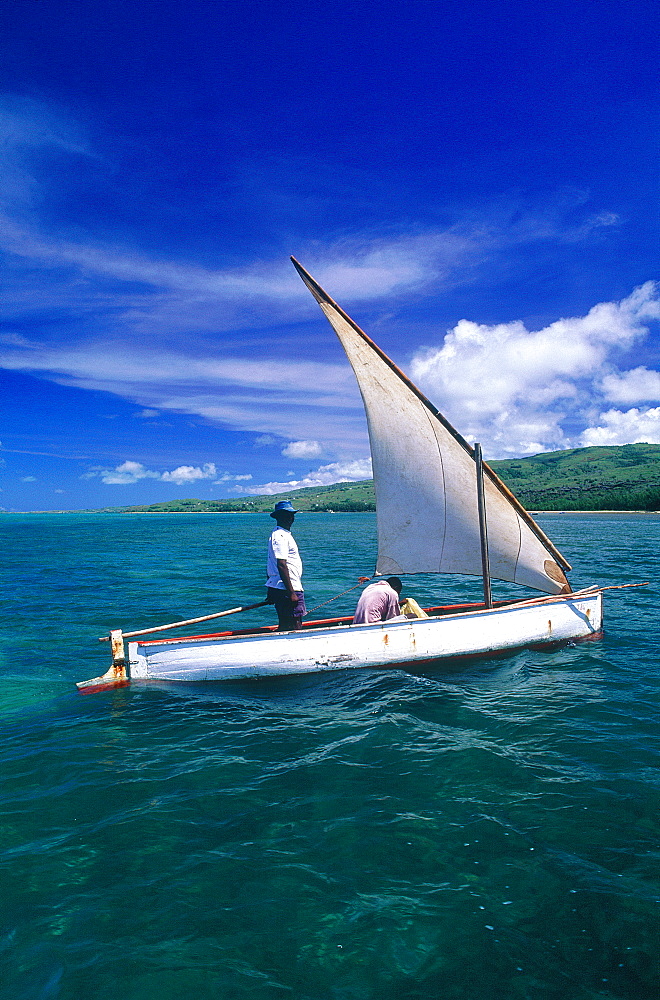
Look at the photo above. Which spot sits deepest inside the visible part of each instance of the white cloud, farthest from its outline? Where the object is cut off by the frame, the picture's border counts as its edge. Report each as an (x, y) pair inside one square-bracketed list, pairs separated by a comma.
[(189, 474), (126, 308), (286, 396), (28, 479), (603, 219), (302, 449), (25, 123), (179, 295), (99, 365), (127, 472), (594, 222), (512, 389), (131, 293), (326, 475), (132, 472), (634, 386), (227, 478), (152, 296), (624, 427)]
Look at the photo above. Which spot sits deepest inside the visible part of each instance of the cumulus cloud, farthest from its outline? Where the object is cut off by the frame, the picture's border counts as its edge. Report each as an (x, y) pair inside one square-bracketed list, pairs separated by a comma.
[(515, 390), (302, 449), (634, 386), (325, 475), (189, 473), (127, 472), (624, 427), (132, 472)]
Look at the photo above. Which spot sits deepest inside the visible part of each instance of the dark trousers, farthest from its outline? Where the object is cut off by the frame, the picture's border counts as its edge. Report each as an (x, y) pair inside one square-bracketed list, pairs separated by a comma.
[(289, 614)]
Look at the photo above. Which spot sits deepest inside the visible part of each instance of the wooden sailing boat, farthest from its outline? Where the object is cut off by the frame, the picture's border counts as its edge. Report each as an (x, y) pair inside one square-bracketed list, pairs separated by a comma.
[(440, 509)]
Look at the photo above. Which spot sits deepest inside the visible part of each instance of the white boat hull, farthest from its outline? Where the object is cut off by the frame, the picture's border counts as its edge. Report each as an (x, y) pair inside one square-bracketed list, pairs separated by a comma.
[(385, 644)]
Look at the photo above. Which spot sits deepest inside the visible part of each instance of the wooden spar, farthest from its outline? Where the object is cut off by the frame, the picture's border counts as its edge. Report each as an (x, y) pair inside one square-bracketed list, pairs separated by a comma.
[(483, 528), (190, 621), (574, 595), (585, 592)]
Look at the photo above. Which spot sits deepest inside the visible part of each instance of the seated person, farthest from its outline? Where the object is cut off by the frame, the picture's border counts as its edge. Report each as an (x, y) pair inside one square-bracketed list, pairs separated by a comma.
[(379, 602)]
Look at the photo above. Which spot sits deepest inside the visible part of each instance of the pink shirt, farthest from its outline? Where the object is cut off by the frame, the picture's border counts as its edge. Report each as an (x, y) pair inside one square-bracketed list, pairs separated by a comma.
[(378, 602)]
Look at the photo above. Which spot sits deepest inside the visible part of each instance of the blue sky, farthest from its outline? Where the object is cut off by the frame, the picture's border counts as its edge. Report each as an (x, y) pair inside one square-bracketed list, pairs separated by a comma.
[(477, 185)]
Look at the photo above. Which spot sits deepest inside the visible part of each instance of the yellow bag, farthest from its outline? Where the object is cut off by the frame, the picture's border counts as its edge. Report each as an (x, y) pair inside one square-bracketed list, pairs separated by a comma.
[(411, 609)]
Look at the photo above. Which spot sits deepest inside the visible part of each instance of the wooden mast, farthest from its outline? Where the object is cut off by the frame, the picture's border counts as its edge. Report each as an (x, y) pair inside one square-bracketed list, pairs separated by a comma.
[(483, 528)]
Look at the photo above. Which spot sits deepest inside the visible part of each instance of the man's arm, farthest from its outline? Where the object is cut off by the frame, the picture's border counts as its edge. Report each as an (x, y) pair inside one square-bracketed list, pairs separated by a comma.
[(283, 570)]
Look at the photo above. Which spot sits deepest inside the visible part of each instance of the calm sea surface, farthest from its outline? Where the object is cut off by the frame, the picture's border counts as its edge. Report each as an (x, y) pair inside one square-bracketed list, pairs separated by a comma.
[(480, 832)]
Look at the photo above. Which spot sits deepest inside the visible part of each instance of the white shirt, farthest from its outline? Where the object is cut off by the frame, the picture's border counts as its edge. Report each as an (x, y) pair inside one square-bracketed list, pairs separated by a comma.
[(282, 545)]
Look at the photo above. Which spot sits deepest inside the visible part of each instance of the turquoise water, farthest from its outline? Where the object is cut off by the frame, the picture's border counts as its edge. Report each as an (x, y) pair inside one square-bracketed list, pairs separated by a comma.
[(481, 831)]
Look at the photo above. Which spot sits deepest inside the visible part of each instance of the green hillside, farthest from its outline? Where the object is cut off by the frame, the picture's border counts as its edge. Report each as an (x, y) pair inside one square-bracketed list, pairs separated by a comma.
[(624, 477)]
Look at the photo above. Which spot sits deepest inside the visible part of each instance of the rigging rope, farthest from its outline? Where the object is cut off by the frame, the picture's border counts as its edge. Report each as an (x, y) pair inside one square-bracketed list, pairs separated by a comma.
[(361, 580)]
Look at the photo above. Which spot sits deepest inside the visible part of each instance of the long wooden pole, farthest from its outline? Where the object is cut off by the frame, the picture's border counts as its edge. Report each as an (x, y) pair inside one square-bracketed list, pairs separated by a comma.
[(483, 528), (190, 621), (573, 596)]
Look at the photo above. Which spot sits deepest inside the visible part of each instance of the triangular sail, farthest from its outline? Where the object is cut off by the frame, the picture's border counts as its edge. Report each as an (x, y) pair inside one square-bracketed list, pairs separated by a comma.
[(425, 480)]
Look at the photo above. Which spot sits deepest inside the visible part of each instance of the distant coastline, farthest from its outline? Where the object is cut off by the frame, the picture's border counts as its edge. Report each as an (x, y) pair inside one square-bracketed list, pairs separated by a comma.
[(260, 513), (615, 479)]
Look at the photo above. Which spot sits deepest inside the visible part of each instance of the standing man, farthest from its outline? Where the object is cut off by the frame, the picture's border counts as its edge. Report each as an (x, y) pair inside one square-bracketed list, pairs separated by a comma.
[(379, 602), (284, 570)]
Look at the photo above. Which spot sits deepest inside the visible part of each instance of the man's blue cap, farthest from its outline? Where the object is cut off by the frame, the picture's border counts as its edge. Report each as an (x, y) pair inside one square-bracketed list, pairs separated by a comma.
[(286, 506)]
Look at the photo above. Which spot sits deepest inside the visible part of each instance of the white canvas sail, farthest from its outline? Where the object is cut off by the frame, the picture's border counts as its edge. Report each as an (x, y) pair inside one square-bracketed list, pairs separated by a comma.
[(425, 480)]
